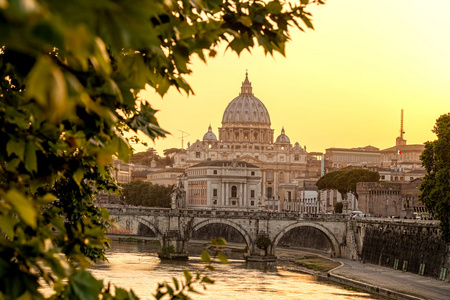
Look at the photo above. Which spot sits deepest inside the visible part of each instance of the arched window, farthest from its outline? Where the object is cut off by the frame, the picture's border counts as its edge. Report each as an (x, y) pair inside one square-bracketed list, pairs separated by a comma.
[(234, 191)]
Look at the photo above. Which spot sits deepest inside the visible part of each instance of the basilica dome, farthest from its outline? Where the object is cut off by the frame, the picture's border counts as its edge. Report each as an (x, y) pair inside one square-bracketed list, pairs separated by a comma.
[(246, 108), (282, 138), (209, 136)]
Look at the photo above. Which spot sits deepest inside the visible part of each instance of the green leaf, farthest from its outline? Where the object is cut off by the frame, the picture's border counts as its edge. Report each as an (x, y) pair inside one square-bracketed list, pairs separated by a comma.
[(30, 157), (7, 223), (46, 199), (12, 165), (47, 85), (175, 283), (206, 279), (84, 286), (187, 275), (17, 147), (223, 259), (246, 21), (206, 258), (78, 176), (23, 206)]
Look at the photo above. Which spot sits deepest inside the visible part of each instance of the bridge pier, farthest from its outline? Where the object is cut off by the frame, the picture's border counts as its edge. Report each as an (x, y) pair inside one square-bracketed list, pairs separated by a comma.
[(262, 250), (173, 246)]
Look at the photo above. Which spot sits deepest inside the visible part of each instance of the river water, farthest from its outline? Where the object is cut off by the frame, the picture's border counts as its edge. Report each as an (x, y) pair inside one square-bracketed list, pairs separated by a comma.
[(137, 266)]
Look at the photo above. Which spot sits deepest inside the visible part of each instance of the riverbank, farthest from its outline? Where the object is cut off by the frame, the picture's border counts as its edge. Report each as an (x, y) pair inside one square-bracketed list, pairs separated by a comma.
[(381, 281)]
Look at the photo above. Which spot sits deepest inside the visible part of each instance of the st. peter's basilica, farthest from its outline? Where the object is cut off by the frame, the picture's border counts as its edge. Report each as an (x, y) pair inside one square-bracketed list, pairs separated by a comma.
[(246, 136)]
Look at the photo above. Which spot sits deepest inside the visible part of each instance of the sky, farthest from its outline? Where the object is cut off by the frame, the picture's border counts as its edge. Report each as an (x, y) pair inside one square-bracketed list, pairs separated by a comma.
[(341, 85)]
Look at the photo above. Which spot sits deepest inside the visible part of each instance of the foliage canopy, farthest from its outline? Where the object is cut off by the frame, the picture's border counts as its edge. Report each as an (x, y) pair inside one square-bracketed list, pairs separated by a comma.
[(345, 181), (435, 186), (70, 73), (146, 194)]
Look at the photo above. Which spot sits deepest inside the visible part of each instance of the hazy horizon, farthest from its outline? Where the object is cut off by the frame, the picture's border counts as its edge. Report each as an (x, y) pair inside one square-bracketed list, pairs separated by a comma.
[(342, 85)]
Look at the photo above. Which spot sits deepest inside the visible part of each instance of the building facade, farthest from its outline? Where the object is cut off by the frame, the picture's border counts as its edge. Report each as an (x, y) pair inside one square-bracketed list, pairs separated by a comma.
[(390, 199), (166, 177), (223, 184), (246, 136), (361, 157)]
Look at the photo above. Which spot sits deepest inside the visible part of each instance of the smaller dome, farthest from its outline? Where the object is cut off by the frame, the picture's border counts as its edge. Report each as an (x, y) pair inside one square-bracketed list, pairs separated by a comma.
[(209, 136), (283, 138)]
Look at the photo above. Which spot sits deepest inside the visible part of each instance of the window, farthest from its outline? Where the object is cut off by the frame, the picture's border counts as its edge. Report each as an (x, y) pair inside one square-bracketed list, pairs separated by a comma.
[(382, 176), (233, 202), (269, 192), (252, 194), (214, 192), (296, 158), (253, 173), (215, 172), (197, 154), (252, 203), (289, 195), (234, 191)]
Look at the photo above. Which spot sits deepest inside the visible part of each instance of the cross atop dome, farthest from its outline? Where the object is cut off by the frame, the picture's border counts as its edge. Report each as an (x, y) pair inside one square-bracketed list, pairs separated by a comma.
[(246, 86)]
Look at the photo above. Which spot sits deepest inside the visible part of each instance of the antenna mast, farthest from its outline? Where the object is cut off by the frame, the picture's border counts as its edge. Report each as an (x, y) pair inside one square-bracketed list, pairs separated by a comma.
[(182, 137), (401, 126)]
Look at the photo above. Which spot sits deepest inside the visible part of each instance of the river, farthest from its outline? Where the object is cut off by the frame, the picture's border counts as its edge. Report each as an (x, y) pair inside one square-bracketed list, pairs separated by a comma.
[(137, 266)]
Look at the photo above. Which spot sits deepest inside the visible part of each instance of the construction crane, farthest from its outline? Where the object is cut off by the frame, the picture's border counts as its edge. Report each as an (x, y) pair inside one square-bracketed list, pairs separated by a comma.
[(183, 135)]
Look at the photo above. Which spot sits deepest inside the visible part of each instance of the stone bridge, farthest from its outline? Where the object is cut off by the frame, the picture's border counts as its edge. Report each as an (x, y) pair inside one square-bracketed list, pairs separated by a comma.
[(175, 227)]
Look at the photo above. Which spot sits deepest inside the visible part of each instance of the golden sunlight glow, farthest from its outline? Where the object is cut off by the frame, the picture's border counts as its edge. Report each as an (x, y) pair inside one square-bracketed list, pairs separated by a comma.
[(342, 85)]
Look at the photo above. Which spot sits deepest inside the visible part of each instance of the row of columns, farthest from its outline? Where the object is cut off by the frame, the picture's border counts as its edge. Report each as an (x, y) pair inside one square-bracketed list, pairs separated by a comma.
[(241, 193), (229, 135)]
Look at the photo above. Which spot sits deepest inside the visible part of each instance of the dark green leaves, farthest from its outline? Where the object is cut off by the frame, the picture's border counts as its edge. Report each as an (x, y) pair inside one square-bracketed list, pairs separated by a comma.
[(345, 181), (435, 186), (23, 206), (84, 286), (70, 75)]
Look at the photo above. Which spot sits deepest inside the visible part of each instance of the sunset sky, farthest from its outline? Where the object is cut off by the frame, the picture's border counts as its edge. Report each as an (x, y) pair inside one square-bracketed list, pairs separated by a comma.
[(341, 85)]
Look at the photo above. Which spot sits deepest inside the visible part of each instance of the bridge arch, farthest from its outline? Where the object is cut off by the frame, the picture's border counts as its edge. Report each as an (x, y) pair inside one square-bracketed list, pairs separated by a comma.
[(330, 236), (239, 228), (141, 220)]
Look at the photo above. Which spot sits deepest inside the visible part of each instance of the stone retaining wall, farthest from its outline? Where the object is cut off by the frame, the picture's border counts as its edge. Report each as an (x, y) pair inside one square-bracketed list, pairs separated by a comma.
[(411, 246)]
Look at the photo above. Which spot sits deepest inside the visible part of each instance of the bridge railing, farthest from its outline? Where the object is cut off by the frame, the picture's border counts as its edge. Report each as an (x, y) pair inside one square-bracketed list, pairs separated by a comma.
[(138, 210)]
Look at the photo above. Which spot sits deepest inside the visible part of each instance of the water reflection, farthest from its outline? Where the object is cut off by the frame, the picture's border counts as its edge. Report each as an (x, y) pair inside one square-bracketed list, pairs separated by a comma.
[(137, 266)]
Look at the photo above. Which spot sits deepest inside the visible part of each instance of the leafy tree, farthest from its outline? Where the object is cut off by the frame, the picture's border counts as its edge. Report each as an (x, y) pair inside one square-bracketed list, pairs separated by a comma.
[(263, 243), (435, 186), (345, 181), (146, 158), (70, 73), (146, 194)]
